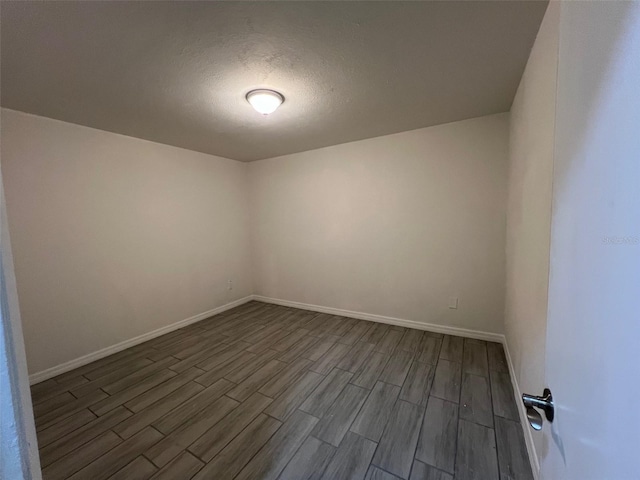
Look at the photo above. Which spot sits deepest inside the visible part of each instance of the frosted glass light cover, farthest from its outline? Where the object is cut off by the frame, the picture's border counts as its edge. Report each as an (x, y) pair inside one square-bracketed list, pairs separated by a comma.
[(265, 101)]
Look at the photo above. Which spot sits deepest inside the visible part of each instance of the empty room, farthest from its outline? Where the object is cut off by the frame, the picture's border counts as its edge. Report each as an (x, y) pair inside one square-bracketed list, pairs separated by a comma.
[(341, 240)]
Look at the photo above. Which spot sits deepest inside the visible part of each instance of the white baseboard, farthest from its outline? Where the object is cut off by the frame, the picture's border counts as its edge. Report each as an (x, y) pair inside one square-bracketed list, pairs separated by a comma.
[(432, 327), (105, 352), (528, 435)]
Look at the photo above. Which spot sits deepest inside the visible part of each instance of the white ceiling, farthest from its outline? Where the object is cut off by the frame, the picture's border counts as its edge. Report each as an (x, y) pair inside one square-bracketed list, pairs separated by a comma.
[(177, 72)]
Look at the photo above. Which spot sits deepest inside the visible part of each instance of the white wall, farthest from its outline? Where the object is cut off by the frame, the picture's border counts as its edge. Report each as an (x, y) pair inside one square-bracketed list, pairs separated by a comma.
[(392, 226), (529, 209), (115, 237)]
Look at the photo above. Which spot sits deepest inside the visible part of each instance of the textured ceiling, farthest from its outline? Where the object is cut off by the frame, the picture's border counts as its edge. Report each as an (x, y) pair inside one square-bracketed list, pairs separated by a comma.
[(177, 72)]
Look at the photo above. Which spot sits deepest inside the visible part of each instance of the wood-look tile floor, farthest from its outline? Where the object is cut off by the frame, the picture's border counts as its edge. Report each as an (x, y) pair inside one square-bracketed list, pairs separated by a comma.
[(268, 392)]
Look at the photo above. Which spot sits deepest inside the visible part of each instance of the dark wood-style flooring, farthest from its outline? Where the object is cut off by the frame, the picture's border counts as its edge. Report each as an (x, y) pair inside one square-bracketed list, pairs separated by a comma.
[(269, 392)]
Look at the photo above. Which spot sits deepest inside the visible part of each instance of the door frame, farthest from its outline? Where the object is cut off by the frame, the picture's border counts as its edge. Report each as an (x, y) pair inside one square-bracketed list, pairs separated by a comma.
[(19, 457)]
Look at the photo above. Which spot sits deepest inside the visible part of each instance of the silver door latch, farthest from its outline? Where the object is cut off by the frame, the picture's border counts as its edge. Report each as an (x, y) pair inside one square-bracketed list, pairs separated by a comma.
[(544, 403)]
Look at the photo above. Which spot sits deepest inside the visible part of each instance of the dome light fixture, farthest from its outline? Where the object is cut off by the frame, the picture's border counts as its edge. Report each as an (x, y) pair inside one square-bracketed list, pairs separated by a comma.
[(265, 101)]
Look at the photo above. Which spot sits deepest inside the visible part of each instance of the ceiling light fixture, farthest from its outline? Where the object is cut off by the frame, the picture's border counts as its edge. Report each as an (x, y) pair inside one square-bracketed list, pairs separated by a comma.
[(265, 101)]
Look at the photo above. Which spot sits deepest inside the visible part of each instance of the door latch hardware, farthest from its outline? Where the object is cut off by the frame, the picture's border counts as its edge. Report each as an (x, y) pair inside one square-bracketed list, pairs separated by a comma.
[(544, 403)]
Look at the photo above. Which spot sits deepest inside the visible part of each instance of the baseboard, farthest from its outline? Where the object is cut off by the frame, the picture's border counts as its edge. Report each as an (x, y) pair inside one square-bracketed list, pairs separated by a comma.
[(105, 352), (528, 435), (432, 327)]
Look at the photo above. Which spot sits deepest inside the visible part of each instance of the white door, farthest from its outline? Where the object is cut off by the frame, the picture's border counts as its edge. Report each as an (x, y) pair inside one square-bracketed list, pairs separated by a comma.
[(593, 332)]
